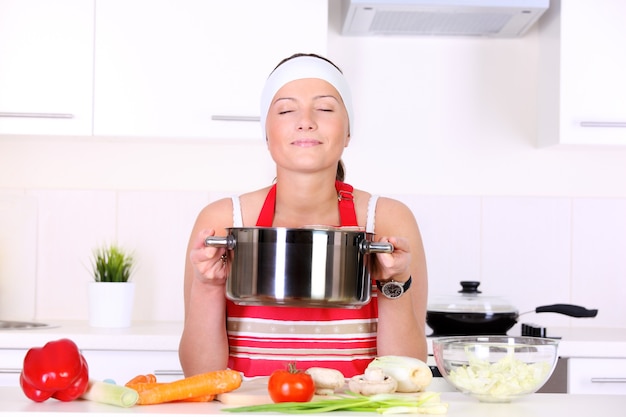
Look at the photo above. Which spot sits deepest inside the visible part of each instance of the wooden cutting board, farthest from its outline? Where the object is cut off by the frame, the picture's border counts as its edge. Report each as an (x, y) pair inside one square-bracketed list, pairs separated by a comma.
[(251, 392), (254, 392)]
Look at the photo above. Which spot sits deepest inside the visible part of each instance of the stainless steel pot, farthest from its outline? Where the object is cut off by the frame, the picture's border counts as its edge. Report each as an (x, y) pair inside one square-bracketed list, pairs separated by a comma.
[(299, 267), (471, 313)]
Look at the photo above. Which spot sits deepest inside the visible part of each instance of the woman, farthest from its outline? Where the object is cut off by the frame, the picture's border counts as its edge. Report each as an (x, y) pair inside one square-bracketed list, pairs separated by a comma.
[(306, 112)]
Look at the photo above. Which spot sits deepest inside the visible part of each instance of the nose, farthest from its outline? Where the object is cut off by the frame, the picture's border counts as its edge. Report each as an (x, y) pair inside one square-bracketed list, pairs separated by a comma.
[(307, 120)]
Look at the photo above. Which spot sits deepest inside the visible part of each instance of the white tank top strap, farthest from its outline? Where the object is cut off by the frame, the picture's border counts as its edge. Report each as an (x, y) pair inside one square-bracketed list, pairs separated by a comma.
[(371, 214), (237, 216)]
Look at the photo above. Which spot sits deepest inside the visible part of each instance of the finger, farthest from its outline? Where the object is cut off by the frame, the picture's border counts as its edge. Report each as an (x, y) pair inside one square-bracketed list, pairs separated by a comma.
[(201, 237), (399, 243)]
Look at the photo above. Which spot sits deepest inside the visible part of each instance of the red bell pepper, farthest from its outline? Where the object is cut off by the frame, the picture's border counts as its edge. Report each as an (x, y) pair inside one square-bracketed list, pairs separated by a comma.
[(56, 370)]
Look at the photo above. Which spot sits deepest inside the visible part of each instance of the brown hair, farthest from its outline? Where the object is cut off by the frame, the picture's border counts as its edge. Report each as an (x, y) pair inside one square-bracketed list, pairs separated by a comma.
[(311, 55)]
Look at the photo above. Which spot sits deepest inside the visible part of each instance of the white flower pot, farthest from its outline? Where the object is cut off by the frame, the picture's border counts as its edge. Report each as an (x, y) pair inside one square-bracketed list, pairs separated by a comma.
[(111, 303)]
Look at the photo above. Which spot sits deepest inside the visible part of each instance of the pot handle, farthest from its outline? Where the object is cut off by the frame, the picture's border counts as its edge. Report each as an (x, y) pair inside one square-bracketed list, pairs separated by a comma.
[(568, 310), (221, 241), (376, 247)]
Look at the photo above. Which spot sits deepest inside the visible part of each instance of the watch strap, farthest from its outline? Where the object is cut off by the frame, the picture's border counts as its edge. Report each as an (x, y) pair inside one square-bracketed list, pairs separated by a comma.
[(405, 285)]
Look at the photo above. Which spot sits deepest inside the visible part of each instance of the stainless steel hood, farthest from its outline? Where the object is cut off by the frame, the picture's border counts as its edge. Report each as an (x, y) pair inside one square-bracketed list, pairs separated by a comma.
[(489, 18)]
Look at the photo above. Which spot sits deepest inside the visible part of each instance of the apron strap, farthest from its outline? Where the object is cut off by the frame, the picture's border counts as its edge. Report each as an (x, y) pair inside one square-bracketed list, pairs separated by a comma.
[(266, 217), (347, 213)]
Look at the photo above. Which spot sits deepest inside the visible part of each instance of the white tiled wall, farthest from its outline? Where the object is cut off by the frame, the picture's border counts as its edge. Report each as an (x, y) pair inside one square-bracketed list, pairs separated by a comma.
[(18, 255), (158, 225), (530, 250), (599, 257)]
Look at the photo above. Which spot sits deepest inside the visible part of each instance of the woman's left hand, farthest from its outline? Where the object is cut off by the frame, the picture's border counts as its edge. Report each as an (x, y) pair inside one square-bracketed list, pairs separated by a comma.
[(395, 265)]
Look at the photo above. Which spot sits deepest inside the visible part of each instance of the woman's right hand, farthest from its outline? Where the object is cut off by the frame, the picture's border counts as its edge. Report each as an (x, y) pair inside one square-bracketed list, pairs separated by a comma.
[(211, 264)]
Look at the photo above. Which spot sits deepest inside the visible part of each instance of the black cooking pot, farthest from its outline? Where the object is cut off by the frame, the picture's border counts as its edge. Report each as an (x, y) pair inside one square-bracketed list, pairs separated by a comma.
[(473, 314)]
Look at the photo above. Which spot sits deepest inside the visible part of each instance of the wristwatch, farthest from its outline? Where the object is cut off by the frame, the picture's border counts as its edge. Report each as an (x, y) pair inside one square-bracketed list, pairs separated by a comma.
[(393, 289)]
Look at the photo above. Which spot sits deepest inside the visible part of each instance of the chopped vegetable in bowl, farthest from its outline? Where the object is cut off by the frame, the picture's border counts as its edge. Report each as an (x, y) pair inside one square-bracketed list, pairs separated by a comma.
[(506, 378), (496, 368)]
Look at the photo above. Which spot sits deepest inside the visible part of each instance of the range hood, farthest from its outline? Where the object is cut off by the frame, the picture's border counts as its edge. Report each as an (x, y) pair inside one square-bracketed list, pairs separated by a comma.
[(490, 18)]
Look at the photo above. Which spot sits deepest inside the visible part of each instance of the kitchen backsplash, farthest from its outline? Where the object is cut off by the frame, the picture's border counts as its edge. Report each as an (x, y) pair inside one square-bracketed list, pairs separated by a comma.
[(532, 251)]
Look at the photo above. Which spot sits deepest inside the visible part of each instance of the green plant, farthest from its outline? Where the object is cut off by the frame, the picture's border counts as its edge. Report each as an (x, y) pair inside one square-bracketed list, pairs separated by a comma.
[(112, 264)]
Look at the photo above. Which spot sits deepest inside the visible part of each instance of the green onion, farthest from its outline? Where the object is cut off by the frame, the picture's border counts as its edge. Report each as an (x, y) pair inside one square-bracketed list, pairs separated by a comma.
[(425, 403)]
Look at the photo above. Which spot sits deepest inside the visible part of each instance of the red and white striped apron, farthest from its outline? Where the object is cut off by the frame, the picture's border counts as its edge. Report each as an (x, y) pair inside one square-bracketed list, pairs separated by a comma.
[(265, 338)]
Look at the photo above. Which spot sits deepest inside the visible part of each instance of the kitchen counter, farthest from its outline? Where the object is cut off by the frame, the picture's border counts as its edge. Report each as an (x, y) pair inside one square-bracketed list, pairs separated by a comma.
[(148, 335), (165, 336), (13, 403)]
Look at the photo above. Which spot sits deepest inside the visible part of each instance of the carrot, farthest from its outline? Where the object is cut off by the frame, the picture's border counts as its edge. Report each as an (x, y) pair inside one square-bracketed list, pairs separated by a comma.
[(144, 386), (201, 399), (193, 387), (142, 379)]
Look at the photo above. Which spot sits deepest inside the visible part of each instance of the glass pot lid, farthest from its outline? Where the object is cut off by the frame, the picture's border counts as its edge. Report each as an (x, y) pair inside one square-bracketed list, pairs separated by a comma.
[(469, 300)]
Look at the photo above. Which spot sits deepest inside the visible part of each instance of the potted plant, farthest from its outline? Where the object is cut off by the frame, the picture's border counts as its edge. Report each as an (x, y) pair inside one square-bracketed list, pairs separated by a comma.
[(112, 264), (111, 294)]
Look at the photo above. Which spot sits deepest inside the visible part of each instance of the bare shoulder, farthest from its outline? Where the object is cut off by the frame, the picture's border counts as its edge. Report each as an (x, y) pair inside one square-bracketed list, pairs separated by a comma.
[(386, 205), (251, 204), (216, 215), (393, 217)]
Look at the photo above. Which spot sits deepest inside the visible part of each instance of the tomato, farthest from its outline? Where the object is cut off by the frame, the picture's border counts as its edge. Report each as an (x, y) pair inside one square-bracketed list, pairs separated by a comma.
[(290, 385)]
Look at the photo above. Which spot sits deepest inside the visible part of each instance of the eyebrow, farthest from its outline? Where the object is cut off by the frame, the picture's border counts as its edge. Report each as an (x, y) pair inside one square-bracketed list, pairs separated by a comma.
[(314, 98)]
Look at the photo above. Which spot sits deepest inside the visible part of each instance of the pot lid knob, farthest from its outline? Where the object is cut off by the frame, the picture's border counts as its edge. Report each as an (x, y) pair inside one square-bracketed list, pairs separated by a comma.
[(470, 287)]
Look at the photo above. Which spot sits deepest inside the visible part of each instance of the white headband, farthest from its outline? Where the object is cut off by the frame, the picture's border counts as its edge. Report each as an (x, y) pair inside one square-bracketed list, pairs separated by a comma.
[(297, 69)]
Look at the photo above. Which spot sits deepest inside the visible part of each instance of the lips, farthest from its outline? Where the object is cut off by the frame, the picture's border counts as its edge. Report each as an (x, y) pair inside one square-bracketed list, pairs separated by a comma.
[(306, 142)]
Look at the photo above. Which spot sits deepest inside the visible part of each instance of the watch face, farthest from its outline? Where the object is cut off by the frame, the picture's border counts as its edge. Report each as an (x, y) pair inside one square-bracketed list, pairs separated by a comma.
[(392, 289)]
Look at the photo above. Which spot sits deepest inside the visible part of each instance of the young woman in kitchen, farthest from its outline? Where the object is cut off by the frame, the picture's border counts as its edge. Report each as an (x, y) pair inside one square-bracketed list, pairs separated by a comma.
[(306, 114)]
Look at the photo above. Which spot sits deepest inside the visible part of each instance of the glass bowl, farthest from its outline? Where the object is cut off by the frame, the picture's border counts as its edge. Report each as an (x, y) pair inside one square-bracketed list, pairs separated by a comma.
[(495, 368)]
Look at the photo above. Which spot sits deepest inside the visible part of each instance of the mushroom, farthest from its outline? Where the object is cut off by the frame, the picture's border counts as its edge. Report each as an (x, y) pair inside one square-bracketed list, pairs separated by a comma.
[(326, 380), (373, 381)]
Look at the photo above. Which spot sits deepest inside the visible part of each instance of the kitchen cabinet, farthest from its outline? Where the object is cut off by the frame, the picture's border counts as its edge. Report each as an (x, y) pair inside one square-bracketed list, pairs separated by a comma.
[(194, 68), (111, 353), (596, 376), (123, 365), (46, 66), (581, 79), (119, 365), (11, 361)]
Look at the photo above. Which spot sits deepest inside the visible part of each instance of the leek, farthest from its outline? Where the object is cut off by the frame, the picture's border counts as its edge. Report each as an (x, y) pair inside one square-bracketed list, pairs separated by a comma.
[(412, 374), (107, 393)]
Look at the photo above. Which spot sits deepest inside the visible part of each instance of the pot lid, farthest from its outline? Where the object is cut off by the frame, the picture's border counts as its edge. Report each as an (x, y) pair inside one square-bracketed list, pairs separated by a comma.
[(470, 300)]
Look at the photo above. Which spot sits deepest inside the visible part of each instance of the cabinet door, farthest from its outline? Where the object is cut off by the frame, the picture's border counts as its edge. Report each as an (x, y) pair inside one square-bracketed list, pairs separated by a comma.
[(596, 376), (11, 361), (46, 66), (122, 365), (587, 39), (182, 69), (119, 365)]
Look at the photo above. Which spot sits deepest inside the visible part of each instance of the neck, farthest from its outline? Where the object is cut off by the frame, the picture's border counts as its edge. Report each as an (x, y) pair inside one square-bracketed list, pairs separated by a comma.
[(306, 201)]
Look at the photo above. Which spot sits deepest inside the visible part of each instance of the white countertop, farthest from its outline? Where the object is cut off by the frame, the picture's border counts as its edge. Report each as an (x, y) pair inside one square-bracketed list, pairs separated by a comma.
[(536, 405), (161, 336), (165, 336)]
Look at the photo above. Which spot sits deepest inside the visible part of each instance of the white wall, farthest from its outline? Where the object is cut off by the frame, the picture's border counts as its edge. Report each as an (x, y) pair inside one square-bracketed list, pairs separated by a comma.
[(447, 125)]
